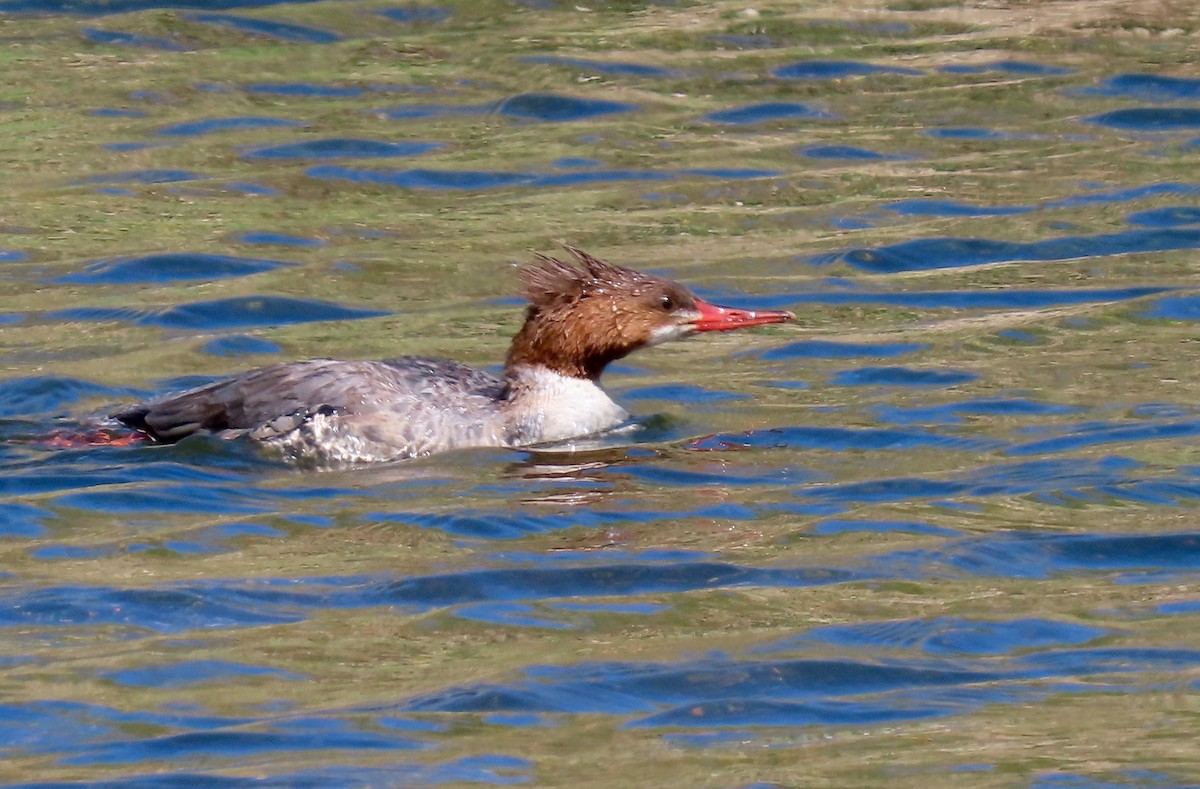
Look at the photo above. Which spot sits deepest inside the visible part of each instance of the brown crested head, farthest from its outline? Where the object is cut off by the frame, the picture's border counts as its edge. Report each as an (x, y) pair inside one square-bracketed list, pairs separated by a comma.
[(581, 318)]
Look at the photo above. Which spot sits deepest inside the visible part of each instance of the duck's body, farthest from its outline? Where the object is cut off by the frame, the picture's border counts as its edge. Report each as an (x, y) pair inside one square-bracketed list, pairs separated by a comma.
[(337, 412)]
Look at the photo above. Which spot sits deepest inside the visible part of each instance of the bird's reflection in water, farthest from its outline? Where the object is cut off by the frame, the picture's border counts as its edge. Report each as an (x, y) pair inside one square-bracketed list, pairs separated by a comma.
[(582, 460)]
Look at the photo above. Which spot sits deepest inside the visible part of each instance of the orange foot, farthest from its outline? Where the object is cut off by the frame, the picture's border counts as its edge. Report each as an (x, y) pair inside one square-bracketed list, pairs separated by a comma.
[(99, 437)]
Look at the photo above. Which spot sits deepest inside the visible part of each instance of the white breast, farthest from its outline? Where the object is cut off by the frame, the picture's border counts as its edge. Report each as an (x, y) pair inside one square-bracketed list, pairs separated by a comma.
[(547, 406)]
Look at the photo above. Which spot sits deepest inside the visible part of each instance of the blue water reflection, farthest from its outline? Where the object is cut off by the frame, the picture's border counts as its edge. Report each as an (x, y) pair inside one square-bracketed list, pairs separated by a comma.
[(850, 152), (342, 148), (769, 111), (284, 31), (934, 253), (1150, 118), (168, 267), (240, 345), (485, 179), (553, 107), (104, 7), (837, 69), (1149, 87), (303, 89), (209, 125), (954, 493), (222, 313), (412, 14)]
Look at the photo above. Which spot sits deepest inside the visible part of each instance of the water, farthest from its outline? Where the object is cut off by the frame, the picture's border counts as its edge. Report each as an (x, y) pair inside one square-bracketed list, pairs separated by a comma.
[(941, 532)]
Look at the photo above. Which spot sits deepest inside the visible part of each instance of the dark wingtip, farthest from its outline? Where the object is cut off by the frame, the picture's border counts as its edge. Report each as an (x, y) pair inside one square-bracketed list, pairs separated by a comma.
[(132, 416)]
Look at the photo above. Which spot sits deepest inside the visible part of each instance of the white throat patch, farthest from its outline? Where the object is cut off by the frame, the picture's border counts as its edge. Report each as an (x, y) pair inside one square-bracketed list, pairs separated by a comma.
[(551, 407)]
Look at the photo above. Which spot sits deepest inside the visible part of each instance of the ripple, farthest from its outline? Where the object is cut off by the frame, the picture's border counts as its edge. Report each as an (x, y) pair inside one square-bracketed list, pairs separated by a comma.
[(414, 14), (842, 439), (1096, 433), (929, 207), (951, 636), (168, 267), (1170, 216), (165, 610), (206, 606), (119, 38), (938, 253), (1175, 308), (491, 179), (901, 376), (951, 208), (576, 162), (768, 111), (837, 69), (681, 393), (844, 526), (303, 89), (126, 147), (508, 614), (106, 7), (969, 133), (617, 68), (487, 769), (763, 712), (823, 349), (341, 148), (117, 112), (192, 672), (1148, 87), (555, 107), (196, 746), (50, 394), (1029, 555), (143, 177), (240, 345), (1149, 118), (415, 111), (951, 413), (752, 41), (1010, 67), (1060, 481), (492, 526), (277, 239), (25, 521), (722, 692), (848, 152), (609, 579), (887, 501), (636, 688), (264, 27), (210, 125), (223, 313)]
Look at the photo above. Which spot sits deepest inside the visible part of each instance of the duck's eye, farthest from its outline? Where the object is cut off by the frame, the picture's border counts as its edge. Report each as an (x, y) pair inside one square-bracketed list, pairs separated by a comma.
[(666, 302)]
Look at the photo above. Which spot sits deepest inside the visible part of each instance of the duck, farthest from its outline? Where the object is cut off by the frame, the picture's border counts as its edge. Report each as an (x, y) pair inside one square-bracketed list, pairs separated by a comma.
[(581, 317)]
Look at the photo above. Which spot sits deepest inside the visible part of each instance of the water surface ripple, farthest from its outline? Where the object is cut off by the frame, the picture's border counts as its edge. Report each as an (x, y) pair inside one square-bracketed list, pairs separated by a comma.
[(939, 532)]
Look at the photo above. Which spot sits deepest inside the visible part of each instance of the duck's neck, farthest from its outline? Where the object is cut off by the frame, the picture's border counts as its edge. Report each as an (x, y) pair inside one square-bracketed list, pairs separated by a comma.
[(564, 344)]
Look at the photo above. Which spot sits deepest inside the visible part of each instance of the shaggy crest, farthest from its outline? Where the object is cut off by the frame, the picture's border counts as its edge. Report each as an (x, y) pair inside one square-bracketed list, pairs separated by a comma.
[(580, 318), (551, 281)]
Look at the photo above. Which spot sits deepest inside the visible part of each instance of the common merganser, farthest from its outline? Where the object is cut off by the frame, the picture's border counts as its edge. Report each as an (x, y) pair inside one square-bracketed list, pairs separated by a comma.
[(341, 412)]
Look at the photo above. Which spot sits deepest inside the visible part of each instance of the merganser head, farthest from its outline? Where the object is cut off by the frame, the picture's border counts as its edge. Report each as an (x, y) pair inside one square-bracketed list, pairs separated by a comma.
[(580, 319)]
